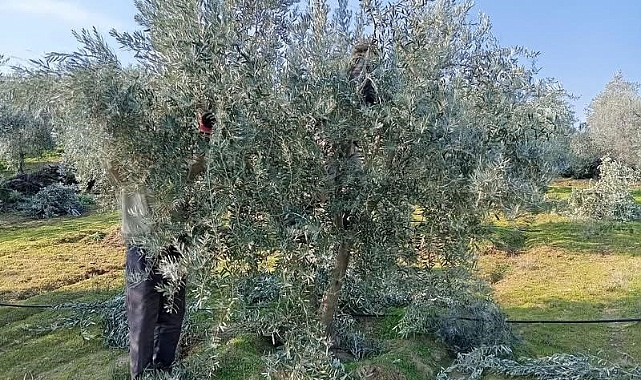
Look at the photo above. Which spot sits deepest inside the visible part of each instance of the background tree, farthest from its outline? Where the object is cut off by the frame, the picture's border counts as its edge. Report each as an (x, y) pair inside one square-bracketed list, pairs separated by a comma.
[(584, 157), (42, 90), (614, 122), (23, 134), (459, 128)]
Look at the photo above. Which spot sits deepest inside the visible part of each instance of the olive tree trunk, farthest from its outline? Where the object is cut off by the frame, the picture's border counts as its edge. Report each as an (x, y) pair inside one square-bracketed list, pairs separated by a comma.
[(330, 299)]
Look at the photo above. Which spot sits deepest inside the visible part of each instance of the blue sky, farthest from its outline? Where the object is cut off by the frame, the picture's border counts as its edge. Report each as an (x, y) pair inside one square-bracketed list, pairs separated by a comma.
[(582, 42)]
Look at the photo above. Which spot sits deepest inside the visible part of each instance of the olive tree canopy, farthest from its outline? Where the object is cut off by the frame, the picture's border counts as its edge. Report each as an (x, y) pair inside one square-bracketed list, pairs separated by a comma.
[(612, 128), (309, 188)]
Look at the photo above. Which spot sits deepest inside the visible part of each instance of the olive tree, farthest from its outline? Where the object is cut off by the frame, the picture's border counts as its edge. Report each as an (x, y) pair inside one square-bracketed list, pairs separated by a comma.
[(22, 134), (309, 186), (614, 122), (25, 128)]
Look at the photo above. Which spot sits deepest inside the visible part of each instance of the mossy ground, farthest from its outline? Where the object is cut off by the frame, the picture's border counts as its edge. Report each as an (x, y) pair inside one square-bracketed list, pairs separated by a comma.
[(541, 267)]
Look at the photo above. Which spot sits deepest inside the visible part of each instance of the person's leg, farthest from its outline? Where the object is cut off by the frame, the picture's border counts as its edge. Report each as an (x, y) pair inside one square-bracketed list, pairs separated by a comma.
[(167, 333), (143, 304)]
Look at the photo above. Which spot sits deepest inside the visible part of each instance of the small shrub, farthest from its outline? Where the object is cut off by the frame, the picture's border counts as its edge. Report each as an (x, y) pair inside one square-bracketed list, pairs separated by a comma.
[(497, 273), (86, 200), (610, 197), (54, 200)]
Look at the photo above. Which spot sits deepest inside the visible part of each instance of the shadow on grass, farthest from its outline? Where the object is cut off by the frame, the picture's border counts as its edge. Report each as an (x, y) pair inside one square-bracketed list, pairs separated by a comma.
[(577, 236), (612, 341), (603, 237), (31, 346)]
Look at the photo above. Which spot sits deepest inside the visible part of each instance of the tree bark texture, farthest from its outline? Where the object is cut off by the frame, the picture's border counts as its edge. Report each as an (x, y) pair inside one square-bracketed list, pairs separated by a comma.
[(330, 300)]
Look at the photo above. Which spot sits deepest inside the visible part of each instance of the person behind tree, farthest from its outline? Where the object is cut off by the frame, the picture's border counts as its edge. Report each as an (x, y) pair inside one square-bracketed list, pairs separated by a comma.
[(154, 321)]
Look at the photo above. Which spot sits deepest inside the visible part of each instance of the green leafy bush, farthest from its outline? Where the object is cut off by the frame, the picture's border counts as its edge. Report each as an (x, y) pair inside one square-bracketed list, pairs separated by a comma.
[(86, 200), (609, 198)]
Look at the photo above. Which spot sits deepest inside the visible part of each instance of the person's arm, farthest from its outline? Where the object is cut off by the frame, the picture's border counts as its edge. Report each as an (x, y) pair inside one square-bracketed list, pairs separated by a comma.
[(196, 168), (206, 124)]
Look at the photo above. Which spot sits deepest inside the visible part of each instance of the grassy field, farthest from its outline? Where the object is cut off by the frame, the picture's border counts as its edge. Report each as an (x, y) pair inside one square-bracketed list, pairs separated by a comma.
[(541, 267), (51, 262), (554, 268)]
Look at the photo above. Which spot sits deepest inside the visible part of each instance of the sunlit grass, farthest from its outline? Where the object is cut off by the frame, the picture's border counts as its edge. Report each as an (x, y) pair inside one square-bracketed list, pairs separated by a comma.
[(545, 266), (40, 256), (570, 270), (52, 262)]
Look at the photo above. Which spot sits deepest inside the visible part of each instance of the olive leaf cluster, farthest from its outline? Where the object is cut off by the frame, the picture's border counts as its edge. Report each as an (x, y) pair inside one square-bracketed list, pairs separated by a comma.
[(499, 360)]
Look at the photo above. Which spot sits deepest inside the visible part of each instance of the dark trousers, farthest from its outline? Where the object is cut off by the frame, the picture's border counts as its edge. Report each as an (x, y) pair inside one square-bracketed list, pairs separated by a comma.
[(153, 331)]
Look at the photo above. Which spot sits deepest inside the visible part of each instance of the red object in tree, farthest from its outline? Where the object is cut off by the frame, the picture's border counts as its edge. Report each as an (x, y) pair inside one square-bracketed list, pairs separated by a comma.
[(207, 122), (203, 127)]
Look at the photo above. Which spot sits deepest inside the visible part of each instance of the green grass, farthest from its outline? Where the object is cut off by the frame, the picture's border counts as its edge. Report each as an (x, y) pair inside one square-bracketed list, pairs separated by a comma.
[(27, 350), (561, 190), (241, 358), (44, 255), (419, 358), (51, 262), (60, 354), (571, 270), (542, 267)]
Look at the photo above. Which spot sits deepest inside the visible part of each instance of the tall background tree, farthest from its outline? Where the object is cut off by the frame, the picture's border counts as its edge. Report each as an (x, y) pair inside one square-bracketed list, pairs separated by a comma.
[(23, 134), (612, 128), (614, 121), (329, 189)]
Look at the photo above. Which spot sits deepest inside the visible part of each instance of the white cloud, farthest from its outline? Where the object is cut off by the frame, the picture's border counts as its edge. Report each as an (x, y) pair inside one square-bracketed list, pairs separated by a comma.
[(60, 10)]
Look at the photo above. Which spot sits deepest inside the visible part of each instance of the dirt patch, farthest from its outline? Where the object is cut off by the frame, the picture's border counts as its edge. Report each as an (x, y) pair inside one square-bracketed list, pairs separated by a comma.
[(94, 272), (113, 238), (107, 238), (74, 237)]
